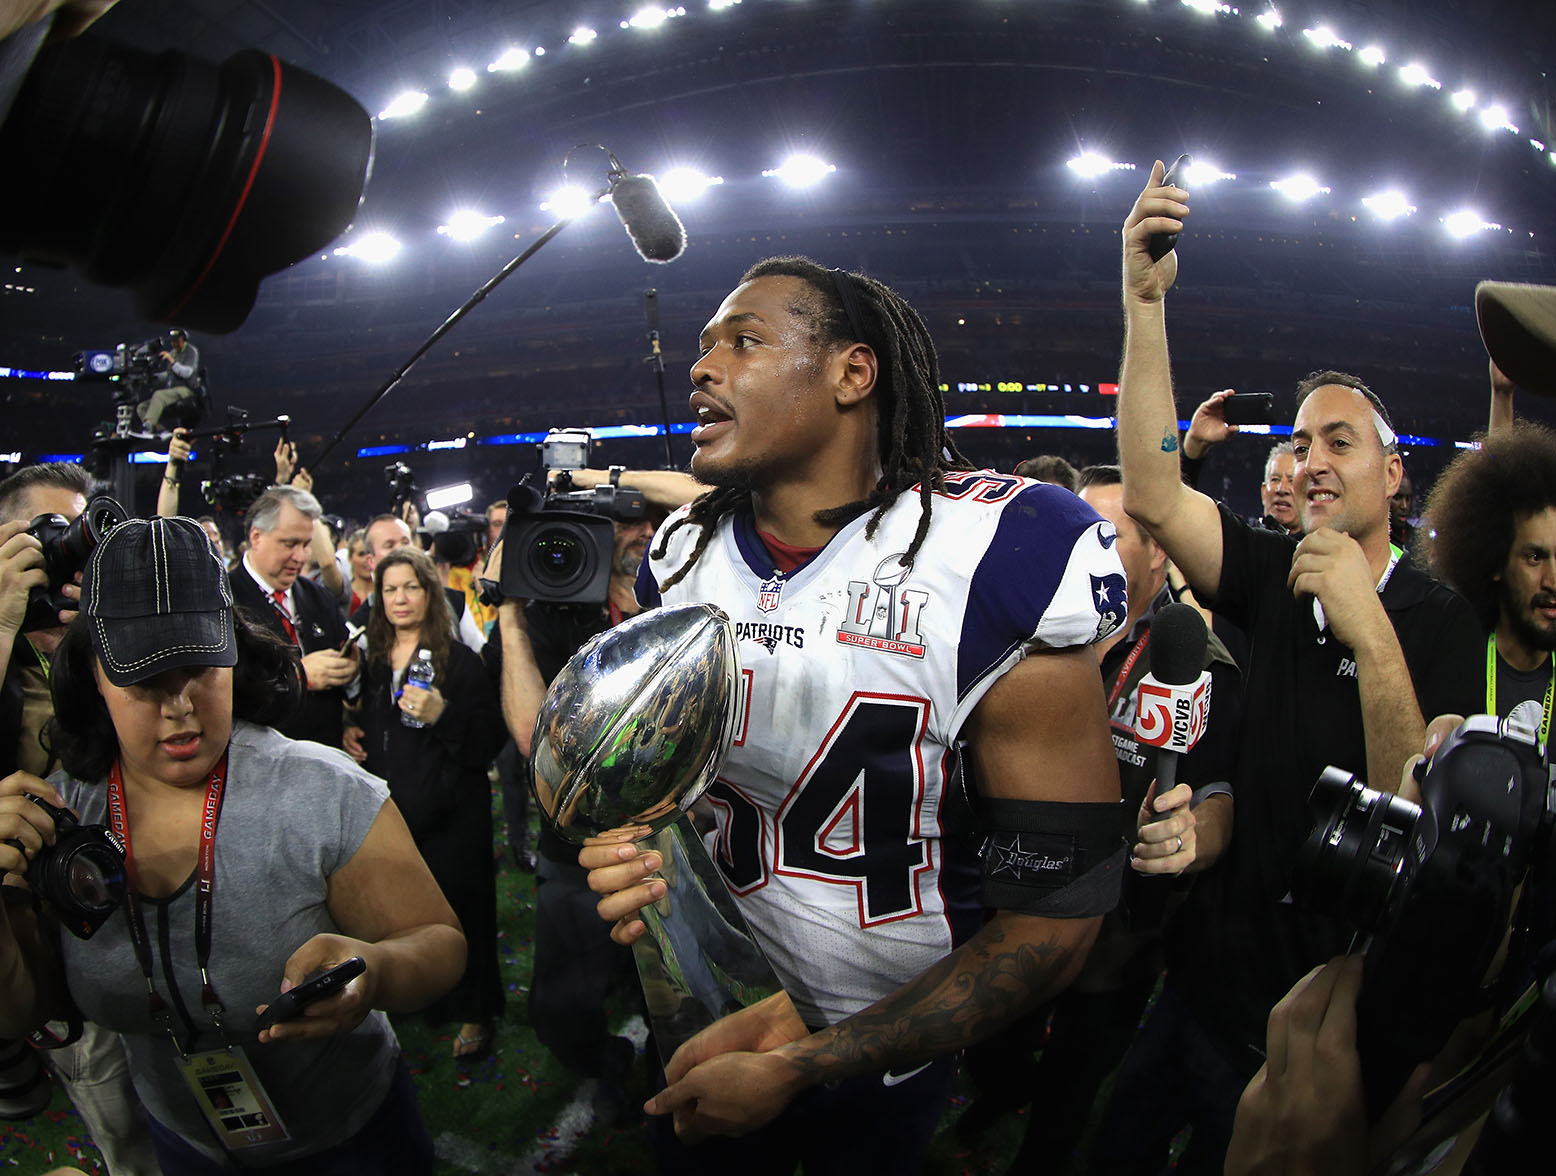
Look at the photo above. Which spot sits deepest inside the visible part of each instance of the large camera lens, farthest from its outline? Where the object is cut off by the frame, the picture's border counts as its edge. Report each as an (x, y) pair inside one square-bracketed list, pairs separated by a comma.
[(83, 535), (185, 181), (1351, 863), (558, 557)]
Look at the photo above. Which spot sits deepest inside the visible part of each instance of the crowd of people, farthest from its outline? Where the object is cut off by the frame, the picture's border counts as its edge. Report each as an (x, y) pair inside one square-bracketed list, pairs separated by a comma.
[(943, 817)]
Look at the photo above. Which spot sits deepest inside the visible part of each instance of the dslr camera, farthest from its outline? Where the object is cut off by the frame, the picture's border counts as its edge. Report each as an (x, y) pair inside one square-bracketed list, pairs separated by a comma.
[(67, 545), (1430, 886), (558, 547), (81, 878)]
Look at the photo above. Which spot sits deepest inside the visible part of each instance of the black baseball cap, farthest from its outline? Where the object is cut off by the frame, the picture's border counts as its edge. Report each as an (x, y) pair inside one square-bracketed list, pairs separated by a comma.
[(158, 599)]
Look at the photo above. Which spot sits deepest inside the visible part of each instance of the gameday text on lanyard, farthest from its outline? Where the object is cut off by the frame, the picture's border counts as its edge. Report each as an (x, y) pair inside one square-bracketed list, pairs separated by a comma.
[(205, 884)]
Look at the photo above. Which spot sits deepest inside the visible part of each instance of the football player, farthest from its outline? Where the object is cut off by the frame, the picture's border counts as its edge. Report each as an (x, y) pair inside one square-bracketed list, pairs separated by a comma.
[(913, 632)]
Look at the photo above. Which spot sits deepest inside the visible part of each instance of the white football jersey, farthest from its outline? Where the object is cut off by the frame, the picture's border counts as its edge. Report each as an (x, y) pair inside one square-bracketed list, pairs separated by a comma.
[(857, 676)]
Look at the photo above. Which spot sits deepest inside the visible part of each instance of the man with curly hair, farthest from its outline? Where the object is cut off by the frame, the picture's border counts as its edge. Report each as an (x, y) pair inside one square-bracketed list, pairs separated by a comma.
[(1492, 516)]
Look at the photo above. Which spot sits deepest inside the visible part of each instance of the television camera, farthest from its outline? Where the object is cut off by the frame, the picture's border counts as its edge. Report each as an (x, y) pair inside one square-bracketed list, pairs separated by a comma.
[(234, 493), (558, 544)]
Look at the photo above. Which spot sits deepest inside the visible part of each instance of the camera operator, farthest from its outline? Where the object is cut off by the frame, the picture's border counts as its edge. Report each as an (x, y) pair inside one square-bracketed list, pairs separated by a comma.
[(93, 1070), (1349, 646), (179, 380), (575, 960), (268, 586)]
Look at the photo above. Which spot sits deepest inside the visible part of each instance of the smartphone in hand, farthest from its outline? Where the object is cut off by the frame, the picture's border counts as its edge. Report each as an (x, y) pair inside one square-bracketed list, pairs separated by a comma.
[(352, 633), (1249, 408), (325, 984), (1162, 243)]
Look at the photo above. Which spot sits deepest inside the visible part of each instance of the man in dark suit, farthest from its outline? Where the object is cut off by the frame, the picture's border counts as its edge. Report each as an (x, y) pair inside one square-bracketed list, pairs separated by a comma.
[(268, 585)]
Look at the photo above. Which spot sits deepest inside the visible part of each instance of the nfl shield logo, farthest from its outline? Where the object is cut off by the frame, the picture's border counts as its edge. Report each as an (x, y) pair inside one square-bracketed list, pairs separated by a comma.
[(767, 596)]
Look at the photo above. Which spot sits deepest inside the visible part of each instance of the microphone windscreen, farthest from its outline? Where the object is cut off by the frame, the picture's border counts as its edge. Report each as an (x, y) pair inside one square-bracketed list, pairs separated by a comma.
[(1178, 638), (657, 233)]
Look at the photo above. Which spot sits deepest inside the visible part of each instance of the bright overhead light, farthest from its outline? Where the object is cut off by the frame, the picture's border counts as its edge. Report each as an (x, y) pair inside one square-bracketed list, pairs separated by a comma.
[(467, 224), (1324, 37), (404, 104), (371, 247), (1494, 118), (1270, 18), (1537, 145), (1462, 99), (1207, 7), (462, 78), (1389, 205), (715, 5), (801, 171), (1091, 163), (1465, 222), (681, 184), (512, 58), (1200, 172), (582, 35), (1299, 187), (568, 202), (444, 496), (651, 18), (1373, 55), (1415, 74)]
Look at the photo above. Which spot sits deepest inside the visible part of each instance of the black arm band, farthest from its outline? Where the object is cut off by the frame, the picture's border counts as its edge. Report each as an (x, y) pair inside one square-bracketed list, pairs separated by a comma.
[(1057, 860)]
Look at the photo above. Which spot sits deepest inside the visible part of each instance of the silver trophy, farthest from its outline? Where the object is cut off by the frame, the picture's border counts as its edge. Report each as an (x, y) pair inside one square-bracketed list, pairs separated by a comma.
[(631, 733)]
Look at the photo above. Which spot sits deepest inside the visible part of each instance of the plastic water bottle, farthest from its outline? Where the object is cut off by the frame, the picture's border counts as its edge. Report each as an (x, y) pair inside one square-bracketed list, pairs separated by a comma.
[(418, 673)]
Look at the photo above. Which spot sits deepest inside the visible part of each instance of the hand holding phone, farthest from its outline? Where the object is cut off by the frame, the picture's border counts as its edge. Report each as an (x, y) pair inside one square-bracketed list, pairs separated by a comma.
[(1162, 243), (326, 984), (352, 633), (1249, 408)]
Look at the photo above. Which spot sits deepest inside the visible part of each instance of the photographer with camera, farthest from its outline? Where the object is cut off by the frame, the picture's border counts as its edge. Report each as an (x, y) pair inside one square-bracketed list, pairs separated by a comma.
[(1349, 646), (297, 859), (178, 378), (92, 1069), (575, 961), (268, 585)]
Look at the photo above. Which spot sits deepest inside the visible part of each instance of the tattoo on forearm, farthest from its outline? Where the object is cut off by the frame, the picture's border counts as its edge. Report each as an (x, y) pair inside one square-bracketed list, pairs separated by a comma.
[(1170, 441), (984, 985)]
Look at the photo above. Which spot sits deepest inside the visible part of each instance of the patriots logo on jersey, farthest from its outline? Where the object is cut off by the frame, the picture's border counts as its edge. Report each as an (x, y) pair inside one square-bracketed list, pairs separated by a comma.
[(1107, 535), (1109, 598)]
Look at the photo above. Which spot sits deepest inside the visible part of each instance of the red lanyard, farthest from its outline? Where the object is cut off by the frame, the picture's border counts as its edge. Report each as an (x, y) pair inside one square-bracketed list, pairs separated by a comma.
[(1129, 664), (205, 885)]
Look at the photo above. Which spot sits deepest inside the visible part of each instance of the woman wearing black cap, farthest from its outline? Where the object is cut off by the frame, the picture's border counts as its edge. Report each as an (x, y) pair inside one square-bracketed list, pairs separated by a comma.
[(252, 862)]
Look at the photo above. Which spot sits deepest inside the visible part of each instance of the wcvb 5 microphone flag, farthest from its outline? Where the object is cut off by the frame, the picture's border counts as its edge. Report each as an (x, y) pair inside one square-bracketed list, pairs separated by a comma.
[(1173, 716)]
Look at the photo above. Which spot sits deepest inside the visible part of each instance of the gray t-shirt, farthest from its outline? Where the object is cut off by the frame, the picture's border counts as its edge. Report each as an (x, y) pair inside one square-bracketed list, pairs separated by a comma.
[(292, 814)]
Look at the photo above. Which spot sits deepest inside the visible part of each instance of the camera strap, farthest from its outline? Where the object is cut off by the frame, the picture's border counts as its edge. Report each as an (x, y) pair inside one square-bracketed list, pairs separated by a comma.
[(1491, 690), (205, 885)]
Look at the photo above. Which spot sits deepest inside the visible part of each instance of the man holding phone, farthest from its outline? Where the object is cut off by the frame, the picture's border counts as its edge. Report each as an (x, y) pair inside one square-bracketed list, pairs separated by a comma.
[(1218, 418)]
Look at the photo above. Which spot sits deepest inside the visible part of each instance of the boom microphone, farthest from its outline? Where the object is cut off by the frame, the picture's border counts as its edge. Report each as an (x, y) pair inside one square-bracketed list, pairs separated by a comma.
[(1174, 699), (657, 233)]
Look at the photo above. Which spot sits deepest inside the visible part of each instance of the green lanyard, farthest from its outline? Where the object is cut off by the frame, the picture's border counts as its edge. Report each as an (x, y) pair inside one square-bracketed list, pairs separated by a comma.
[(1491, 688)]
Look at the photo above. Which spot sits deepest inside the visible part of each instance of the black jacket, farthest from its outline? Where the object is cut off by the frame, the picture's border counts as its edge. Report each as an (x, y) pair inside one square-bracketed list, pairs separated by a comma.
[(319, 626)]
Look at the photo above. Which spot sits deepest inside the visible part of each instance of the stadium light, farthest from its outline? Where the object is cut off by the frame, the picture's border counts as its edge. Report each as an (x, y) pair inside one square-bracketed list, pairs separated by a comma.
[(1270, 18), (1202, 172), (404, 104), (1462, 99), (1494, 118), (716, 5), (801, 171), (1373, 55), (1389, 205), (374, 248), (467, 224), (1324, 37), (1299, 187), (681, 184), (511, 58), (651, 18), (582, 35), (1415, 74), (1466, 222), (1205, 7), (568, 202), (1091, 164), (461, 78)]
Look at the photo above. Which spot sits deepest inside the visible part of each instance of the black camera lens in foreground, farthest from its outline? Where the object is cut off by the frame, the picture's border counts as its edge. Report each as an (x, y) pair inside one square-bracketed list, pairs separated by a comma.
[(558, 557), (1350, 864), (184, 181)]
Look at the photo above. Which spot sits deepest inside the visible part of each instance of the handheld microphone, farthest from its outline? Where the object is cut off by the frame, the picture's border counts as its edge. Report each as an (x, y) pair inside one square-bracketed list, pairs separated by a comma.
[(657, 233), (1174, 698)]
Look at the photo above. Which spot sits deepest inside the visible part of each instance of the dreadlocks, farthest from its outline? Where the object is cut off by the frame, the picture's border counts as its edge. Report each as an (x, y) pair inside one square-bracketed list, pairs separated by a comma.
[(913, 445)]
